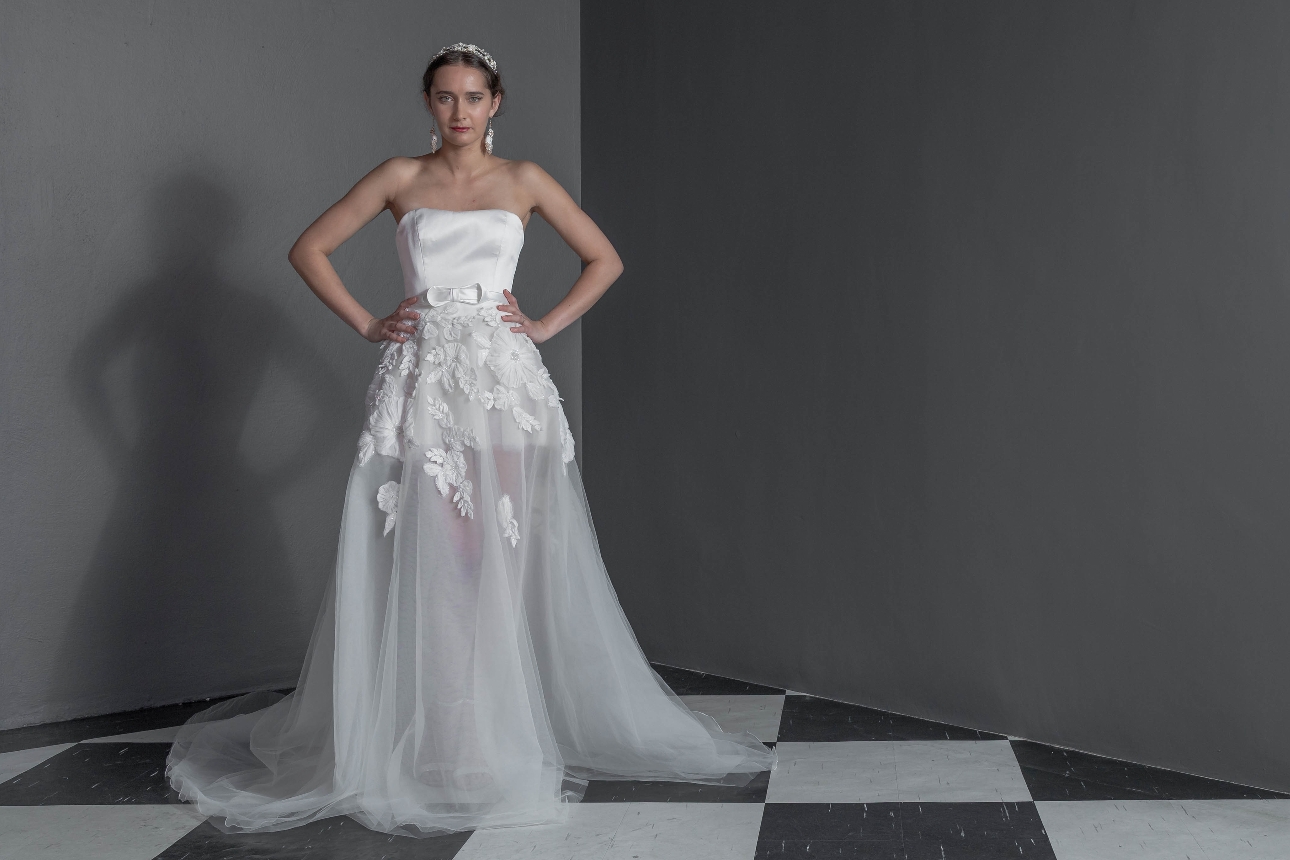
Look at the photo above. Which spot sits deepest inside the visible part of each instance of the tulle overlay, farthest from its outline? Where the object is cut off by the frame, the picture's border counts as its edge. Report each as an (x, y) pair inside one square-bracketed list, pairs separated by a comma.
[(470, 666)]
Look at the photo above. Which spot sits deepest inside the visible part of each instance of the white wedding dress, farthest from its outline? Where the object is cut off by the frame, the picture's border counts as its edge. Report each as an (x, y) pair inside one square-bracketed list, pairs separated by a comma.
[(470, 665)]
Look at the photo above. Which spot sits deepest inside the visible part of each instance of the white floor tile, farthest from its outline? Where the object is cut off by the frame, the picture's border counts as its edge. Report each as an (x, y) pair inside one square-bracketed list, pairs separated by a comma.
[(149, 736), (756, 714), (835, 772), (897, 771), (959, 771), (1168, 829), (1245, 829), (14, 763), (124, 832), (629, 831)]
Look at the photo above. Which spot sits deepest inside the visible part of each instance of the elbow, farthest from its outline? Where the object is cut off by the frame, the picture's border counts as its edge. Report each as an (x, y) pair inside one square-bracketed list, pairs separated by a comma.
[(297, 256), (614, 264)]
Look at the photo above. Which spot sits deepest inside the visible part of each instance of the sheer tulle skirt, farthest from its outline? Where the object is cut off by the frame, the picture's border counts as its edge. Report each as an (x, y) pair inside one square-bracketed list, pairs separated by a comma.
[(470, 666)]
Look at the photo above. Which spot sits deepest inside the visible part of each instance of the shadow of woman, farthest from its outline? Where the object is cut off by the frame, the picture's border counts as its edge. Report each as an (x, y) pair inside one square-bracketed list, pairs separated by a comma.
[(190, 589)]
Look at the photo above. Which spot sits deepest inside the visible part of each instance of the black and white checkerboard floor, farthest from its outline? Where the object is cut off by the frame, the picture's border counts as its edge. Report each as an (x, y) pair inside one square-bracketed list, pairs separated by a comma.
[(852, 782)]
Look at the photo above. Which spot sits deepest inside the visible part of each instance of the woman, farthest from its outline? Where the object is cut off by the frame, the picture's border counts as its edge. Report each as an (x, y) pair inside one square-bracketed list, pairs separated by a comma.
[(471, 666)]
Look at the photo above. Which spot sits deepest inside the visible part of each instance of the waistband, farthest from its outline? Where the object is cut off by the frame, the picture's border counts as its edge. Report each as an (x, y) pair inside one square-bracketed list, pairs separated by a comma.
[(471, 294)]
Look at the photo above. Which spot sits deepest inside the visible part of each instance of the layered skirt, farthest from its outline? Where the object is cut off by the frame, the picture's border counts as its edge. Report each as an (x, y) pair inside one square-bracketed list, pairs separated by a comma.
[(470, 666)]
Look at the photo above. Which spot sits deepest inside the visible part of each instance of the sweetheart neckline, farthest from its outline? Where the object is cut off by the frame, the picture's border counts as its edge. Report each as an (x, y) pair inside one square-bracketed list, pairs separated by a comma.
[(517, 218)]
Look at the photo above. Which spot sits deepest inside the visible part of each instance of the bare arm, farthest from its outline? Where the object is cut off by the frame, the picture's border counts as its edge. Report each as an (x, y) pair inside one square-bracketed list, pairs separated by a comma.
[(577, 229), (367, 199)]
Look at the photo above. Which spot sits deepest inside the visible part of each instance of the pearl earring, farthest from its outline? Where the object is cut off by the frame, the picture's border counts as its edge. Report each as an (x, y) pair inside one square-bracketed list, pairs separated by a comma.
[(488, 138), (434, 137)]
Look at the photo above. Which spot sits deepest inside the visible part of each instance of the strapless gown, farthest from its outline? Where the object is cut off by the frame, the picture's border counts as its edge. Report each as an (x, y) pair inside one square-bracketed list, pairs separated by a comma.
[(470, 666)]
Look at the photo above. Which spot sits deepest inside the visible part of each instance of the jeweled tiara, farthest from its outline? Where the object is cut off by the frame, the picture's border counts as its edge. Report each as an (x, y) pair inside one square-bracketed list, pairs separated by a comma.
[(473, 49)]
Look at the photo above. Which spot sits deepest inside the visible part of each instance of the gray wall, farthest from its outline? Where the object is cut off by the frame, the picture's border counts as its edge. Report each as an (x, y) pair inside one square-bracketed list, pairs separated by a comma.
[(949, 373), (178, 411)]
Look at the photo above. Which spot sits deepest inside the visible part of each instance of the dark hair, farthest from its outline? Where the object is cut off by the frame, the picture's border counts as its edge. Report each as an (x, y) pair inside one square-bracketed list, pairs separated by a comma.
[(493, 80)]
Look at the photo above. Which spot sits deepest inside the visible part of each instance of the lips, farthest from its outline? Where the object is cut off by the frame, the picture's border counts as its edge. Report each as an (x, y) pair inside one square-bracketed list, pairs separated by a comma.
[(459, 127)]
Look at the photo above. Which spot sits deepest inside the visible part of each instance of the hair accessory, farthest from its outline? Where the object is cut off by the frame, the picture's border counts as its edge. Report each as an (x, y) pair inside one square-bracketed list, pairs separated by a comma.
[(472, 49)]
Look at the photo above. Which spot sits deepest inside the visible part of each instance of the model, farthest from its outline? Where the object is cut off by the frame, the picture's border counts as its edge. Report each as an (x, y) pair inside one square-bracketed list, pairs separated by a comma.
[(470, 666)]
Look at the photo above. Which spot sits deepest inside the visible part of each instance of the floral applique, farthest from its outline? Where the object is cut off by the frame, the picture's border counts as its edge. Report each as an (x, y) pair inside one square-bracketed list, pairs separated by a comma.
[(449, 323), (514, 359), (490, 316), (447, 465), (387, 499), (526, 421), (461, 499), (366, 447), (566, 440), (449, 364), (407, 356), (504, 398), (505, 515), (385, 421)]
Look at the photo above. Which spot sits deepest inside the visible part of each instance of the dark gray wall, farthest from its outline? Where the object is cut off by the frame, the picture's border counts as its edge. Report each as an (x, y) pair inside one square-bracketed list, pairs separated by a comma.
[(949, 372), (178, 411)]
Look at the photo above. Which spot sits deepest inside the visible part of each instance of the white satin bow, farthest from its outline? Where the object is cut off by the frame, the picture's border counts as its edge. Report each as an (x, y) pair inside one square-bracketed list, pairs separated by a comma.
[(471, 294)]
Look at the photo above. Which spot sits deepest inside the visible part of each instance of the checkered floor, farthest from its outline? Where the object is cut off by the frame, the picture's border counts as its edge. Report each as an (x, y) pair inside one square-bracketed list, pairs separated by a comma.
[(852, 782)]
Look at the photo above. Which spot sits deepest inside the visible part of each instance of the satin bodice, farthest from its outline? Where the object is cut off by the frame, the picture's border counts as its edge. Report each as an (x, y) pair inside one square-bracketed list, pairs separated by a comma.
[(454, 248)]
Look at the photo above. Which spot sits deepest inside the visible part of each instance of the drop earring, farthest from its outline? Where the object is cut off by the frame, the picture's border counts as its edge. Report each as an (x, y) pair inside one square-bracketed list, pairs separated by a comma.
[(488, 138), (434, 137)]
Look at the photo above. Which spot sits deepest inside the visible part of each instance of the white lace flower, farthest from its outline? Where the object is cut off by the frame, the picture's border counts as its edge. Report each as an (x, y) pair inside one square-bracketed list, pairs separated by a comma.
[(526, 421), (486, 398), (446, 467), (385, 421), (366, 447), (439, 411), (505, 514), (503, 399), (408, 356), (390, 357), (480, 340), (566, 441), (449, 363), (387, 499), (553, 400), (491, 316), (462, 499), (459, 438), (514, 359)]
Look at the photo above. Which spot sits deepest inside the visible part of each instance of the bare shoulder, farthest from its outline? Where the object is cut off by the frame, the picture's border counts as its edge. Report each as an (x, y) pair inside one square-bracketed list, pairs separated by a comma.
[(530, 176), (399, 169), (545, 194)]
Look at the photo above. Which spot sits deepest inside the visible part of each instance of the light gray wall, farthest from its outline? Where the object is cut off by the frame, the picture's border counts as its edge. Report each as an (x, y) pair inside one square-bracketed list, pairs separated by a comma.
[(178, 410), (950, 370)]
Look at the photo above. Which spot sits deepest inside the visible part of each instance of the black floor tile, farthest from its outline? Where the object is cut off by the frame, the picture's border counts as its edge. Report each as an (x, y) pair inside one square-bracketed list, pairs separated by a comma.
[(810, 719), (336, 838), (75, 731), (92, 775), (908, 831), (688, 682), (1053, 773), (631, 791)]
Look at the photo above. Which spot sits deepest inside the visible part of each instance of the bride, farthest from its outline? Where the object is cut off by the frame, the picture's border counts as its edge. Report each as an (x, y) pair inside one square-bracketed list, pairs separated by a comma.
[(470, 665)]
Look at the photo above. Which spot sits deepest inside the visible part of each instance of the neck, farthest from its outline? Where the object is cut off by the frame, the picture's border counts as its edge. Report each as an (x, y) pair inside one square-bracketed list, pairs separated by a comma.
[(464, 161)]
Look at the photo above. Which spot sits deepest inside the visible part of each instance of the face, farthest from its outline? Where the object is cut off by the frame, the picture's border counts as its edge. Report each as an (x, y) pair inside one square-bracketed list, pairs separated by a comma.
[(461, 104)]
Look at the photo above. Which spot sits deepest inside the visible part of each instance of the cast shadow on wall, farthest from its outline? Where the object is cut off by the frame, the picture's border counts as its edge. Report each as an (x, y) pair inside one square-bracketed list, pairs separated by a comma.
[(190, 584)]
